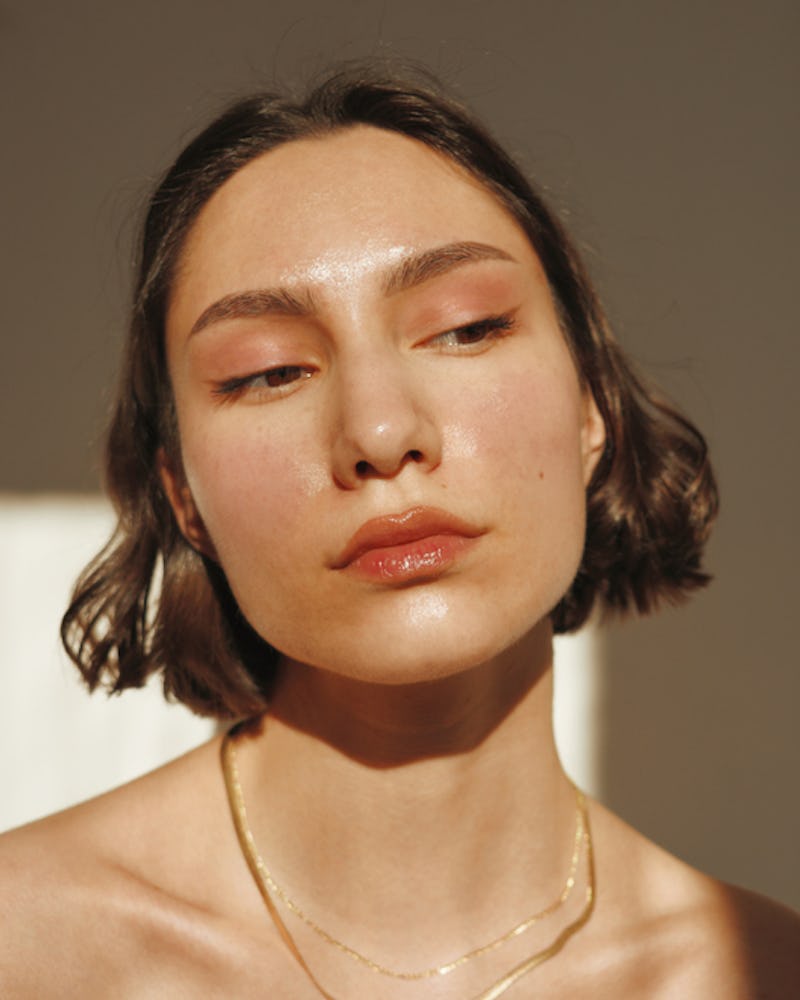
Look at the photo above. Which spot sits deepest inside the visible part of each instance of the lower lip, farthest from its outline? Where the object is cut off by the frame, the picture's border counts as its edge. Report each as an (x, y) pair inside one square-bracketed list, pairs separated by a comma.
[(415, 561)]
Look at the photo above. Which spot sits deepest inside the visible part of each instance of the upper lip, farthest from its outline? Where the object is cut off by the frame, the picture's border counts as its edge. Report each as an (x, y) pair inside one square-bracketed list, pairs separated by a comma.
[(400, 529)]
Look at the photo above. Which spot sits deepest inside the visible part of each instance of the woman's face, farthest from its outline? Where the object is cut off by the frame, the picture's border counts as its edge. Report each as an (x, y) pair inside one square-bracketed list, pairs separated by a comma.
[(385, 442)]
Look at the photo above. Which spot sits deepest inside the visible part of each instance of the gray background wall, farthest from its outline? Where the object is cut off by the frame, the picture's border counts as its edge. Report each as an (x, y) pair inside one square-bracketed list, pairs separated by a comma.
[(666, 132)]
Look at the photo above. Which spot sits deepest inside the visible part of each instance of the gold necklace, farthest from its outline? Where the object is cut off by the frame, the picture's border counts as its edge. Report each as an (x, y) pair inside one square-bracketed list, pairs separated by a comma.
[(267, 885), (263, 875)]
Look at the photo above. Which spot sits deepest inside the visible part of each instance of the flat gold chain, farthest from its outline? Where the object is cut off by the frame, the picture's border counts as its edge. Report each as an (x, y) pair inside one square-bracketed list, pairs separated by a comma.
[(267, 886)]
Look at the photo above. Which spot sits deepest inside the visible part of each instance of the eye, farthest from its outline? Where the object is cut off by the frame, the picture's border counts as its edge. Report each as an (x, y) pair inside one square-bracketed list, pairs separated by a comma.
[(281, 376), (273, 382), (475, 335)]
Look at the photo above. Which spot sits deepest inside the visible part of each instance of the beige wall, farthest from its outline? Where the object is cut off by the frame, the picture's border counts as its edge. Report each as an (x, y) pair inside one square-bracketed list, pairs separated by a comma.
[(669, 133)]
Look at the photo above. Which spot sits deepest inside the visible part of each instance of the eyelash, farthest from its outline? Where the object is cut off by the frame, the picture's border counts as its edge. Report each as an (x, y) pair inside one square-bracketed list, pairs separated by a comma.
[(482, 332), (234, 387), (485, 330)]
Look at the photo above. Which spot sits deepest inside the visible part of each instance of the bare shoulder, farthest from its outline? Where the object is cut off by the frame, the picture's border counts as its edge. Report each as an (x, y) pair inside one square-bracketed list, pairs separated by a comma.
[(125, 895), (767, 936), (674, 932)]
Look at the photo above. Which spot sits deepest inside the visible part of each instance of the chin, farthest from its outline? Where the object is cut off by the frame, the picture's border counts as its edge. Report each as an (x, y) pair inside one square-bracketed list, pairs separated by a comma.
[(435, 648)]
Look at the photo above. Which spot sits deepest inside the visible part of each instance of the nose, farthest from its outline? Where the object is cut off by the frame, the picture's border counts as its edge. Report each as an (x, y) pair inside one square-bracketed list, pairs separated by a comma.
[(384, 423)]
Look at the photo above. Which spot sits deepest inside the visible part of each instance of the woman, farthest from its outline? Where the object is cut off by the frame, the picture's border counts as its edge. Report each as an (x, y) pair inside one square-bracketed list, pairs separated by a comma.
[(373, 445)]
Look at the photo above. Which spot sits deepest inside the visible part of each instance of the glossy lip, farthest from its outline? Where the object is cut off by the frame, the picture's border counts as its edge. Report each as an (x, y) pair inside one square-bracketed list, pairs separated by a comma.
[(396, 530)]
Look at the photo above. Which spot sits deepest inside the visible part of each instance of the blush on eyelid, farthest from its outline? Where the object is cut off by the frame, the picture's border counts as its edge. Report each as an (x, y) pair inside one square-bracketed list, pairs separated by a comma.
[(233, 359), (459, 300)]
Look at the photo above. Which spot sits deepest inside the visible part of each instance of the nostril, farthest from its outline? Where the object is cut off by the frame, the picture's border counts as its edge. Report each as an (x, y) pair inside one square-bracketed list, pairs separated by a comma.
[(364, 468)]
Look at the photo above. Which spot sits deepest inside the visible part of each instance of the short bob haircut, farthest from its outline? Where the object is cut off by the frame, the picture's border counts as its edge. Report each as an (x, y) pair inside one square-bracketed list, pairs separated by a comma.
[(149, 602)]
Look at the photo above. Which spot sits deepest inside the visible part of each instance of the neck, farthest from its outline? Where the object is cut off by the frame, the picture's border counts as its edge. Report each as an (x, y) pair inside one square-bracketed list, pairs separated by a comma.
[(420, 787), (389, 726)]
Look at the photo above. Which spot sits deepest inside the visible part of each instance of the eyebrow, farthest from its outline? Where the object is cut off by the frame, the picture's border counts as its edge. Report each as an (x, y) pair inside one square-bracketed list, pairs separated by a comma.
[(413, 270), (259, 302), (421, 267)]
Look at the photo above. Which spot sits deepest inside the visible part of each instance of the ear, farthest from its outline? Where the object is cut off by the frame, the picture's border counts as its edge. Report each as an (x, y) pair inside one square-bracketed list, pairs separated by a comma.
[(593, 436), (183, 506)]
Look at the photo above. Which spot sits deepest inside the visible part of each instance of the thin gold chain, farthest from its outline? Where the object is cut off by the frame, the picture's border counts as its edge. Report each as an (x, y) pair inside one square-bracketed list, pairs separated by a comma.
[(265, 875), (267, 885)]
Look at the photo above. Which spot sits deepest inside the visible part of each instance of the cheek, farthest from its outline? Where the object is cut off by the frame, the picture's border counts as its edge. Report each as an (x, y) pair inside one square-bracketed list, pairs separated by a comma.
[(527, 427), (251, 491), (529, 434)]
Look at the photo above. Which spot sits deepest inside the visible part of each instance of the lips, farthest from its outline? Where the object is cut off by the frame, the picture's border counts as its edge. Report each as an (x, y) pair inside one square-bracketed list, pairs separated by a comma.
[(418, 543)]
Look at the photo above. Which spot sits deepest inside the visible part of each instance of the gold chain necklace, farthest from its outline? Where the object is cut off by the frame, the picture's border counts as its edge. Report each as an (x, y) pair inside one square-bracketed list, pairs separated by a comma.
[(264, 875), (267, 885)]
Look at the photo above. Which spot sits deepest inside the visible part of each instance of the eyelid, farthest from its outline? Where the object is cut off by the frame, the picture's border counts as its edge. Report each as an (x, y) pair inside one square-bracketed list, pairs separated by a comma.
[(486, 331), (489, 328), (234, 388)]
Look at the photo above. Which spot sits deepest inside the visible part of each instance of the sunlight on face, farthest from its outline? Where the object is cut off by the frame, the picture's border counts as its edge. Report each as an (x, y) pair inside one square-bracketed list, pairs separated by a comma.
[(384, 437)]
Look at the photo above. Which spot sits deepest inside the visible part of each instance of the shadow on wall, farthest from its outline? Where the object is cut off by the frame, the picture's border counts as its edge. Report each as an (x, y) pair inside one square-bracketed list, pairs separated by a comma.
[(697, 738)]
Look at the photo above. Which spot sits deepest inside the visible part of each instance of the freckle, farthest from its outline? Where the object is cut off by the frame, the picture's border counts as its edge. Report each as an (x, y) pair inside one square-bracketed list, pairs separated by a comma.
[(541, 473)]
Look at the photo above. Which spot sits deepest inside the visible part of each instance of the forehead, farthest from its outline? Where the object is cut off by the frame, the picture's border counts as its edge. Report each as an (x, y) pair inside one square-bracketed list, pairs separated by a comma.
[(335, 207)]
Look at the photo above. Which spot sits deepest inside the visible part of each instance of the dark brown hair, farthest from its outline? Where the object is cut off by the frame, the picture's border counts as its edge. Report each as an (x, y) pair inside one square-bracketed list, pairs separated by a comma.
[(150, 602)]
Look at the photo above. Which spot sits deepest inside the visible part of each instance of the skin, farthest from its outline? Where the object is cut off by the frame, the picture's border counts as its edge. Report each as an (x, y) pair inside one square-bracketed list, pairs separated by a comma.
[(407, 767), (394, 413)]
